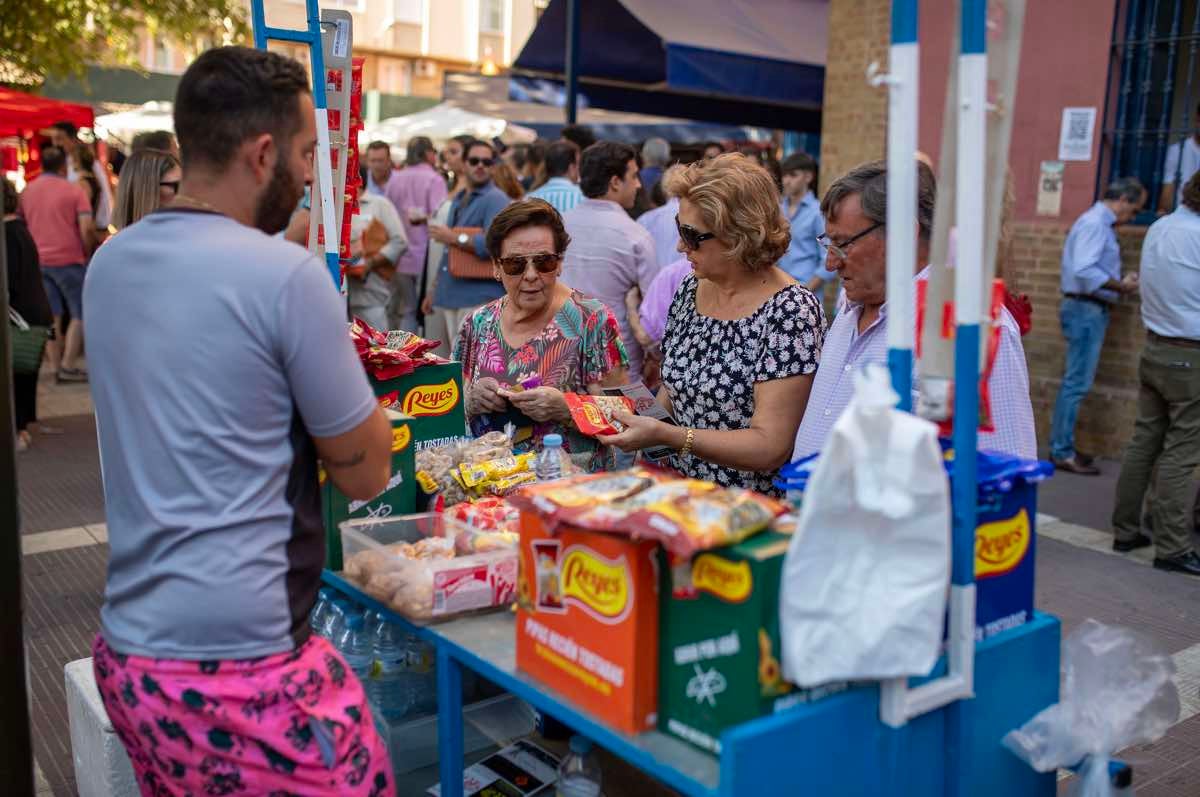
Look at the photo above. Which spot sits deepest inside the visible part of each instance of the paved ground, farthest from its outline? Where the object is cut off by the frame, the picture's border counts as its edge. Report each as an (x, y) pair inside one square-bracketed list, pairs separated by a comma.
[(1078, 577)]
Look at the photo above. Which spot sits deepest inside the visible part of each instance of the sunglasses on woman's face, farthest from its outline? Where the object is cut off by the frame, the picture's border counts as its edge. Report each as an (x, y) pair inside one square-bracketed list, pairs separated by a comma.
[(515, 265), (691, 237), (481, 162)]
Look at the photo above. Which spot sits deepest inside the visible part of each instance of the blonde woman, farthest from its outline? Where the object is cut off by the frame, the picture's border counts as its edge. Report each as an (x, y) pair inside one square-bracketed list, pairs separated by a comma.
[(149, 179), (742, 339)]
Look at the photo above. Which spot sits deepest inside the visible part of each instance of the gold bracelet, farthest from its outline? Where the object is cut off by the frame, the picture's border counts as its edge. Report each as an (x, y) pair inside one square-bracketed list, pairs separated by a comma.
[(687, 443)]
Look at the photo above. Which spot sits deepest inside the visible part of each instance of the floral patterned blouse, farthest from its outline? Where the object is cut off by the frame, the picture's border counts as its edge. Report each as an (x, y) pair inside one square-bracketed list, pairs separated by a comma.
[(580, 346), (710, 367)]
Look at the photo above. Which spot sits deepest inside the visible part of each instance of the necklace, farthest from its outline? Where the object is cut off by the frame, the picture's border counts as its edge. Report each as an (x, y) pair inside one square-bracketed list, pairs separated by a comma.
[(183, 200)]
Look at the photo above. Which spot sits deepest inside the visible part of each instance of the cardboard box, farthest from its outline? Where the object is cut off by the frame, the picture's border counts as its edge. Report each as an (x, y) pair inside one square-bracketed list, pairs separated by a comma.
[(719, 641), (1005, 539), (587, 620), (432, 393)]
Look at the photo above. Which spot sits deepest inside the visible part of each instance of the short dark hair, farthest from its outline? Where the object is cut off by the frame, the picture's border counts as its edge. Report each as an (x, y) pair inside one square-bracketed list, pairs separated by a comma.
[(67, 127), (161, 140), (379, 145), (531, 212), (560, 156), (708, 144), (418, 148), (869, 181), (54, 159), (582, 135), (1128, 188), (229, 94), (600, 163), (520, 154), (464, 140), (1191, 193), (479, 142), (798, 162)]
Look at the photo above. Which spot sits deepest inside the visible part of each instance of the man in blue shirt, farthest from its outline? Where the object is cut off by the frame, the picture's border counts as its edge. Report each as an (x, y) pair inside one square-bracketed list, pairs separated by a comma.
[(1091, 284), (455, 298), (561, 190), (804, 259)]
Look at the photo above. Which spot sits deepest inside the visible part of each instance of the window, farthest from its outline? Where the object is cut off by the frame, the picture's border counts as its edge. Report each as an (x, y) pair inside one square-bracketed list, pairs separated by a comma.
[(491, 16), (1154, 88), (407, 11), (162, 55)]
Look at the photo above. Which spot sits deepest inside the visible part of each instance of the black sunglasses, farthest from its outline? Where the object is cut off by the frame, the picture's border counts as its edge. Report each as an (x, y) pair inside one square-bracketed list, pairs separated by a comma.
[(515, 265), (172, 184), (691, 237), (480, 161), (839, 250)]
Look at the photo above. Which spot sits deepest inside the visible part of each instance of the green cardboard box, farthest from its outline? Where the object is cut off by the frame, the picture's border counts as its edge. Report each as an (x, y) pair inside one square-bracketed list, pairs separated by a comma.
[(719, 662), (434, 395), (398, 498)]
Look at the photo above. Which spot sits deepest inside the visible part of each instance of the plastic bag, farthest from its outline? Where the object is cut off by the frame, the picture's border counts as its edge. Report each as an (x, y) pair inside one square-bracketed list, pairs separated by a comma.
[(865, 580), (1116, 691)]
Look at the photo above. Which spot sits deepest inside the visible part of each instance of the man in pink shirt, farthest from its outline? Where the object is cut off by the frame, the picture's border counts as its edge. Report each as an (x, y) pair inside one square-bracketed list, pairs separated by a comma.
[(59, 218), (417, 191)]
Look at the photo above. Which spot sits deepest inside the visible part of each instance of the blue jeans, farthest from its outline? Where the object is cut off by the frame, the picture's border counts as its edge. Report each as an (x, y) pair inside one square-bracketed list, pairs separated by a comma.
[(1083, 325)]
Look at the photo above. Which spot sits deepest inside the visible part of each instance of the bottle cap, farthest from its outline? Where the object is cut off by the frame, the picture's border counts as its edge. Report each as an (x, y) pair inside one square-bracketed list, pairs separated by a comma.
[(554, 440), (581, 745)]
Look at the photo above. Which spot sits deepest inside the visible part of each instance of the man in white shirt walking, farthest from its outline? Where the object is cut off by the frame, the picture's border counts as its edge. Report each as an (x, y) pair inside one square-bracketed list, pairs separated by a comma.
[(1167, 433)]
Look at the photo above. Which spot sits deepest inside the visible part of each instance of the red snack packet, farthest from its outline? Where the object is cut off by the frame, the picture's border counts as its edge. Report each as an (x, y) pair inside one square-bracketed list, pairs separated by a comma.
[(699, 520), (356, 86), (559, 501), (593, 414)]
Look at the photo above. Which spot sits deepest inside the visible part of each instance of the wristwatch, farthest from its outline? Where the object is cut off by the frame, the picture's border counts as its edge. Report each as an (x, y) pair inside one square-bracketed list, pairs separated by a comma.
[(463, 239)]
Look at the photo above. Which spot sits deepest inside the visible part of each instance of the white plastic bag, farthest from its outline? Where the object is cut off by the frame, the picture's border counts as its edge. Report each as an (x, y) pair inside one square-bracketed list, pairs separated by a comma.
[(865, 580), (1116, 691)]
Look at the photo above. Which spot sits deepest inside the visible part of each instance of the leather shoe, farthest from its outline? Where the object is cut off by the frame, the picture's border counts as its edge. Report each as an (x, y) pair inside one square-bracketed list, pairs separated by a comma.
[(1073, 465), (1085, 459), (1125, 546), (1184, 563)]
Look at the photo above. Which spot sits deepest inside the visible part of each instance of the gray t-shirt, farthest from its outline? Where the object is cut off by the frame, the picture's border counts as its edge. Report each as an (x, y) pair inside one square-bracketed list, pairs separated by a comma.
[(215, 353)]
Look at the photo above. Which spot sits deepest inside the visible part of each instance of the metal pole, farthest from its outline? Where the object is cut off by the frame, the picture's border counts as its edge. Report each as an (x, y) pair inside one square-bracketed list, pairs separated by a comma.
[(572, 60), (16, 753)]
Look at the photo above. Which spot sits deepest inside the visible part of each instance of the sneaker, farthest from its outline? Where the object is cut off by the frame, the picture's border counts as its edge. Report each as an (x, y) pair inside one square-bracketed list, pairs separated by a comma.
[(71, 375)]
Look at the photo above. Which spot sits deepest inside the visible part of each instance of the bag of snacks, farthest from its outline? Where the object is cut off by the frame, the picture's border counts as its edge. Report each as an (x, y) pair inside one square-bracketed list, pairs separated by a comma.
[(697, 521), (613, 516), (555, 500), (593, 415)]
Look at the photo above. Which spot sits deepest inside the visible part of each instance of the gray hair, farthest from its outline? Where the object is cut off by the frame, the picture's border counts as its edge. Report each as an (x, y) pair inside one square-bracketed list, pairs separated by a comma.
[(418, 150), (1128, 188), (869, 181), (656, 152)]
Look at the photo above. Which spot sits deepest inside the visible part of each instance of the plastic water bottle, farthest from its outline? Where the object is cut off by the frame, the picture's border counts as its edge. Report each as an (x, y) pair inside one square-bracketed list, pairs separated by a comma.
[(335, 621), (549, 460), (579, 773), (390, 682), (320, 612), (355, 647), (423, 676)]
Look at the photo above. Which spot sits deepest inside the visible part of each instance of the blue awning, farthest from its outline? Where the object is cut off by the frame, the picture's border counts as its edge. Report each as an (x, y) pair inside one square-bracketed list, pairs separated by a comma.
[(745, 62)]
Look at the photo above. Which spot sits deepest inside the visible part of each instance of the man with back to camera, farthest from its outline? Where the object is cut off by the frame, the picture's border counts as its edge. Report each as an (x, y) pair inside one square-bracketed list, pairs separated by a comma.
[(223, 370), (1182, 161), (561, 188)]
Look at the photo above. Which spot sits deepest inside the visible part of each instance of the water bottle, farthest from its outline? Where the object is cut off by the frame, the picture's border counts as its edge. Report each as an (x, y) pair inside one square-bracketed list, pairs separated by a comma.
[(355, 647), (579, 773), (335, 620), (320, 612), (390, 681), (423, 676), (549, 460)]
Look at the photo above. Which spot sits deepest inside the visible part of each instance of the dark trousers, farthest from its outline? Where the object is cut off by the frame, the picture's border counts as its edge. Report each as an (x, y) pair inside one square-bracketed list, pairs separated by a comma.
[(1167, 434), (25, 399)]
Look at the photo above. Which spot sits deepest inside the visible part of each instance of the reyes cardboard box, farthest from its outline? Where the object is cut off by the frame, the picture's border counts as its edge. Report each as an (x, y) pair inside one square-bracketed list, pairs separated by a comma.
[(587, 620), (433, 393)]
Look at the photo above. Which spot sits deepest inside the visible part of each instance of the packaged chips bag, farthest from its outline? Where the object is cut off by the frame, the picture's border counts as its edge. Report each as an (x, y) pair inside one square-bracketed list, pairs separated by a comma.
[(593, 415), (614, 516), (558, 501), (697, 521)]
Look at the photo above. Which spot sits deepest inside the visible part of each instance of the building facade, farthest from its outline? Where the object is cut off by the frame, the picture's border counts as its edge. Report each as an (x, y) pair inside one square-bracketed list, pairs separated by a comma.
[(1135, 62)]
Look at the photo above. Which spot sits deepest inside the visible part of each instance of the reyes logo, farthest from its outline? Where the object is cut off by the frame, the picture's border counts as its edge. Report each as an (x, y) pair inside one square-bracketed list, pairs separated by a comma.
[(727, 580), (429, 400), (401, 437), (1001, 545), (597, 585)]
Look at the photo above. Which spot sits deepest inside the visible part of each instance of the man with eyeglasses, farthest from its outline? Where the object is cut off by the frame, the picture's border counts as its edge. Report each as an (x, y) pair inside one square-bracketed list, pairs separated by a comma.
[(855, 210), (454, 298)]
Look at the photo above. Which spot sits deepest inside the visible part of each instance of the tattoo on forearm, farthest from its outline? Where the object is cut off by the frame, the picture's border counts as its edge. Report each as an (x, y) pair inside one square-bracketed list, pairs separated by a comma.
[(349, 462)]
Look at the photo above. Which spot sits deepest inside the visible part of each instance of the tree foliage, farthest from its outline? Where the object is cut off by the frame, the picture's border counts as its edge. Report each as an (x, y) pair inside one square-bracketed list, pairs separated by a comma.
[(40, 38)]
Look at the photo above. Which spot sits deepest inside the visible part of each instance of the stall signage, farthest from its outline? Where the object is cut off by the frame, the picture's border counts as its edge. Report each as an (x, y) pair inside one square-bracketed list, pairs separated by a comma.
[(401, 437), (431, 400), (730, 581), (1001, 545), (598, 585)]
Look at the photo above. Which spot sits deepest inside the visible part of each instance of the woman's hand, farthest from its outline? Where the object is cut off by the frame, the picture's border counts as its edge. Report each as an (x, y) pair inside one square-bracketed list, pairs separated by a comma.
[(640, 432), (542, 404), (485, 397)]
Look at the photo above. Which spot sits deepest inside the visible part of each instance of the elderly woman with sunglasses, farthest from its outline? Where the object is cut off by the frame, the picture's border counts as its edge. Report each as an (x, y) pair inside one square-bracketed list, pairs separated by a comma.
[(742, 339), (522, 352)]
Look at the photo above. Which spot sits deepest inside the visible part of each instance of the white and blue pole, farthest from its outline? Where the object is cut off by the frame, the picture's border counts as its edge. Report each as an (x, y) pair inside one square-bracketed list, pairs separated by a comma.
[(902, 196)]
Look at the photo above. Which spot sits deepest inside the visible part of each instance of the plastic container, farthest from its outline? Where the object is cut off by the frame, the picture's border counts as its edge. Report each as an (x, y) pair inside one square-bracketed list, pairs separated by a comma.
[(549, 465), (579, 773), (410, 564)]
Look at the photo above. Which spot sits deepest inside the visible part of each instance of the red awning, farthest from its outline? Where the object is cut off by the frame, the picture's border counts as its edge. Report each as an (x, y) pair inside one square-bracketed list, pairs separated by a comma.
[(21, 114)]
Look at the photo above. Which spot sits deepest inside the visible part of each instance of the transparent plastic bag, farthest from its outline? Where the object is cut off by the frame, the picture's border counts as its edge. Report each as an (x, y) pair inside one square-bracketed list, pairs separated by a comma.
[(1116, 692)]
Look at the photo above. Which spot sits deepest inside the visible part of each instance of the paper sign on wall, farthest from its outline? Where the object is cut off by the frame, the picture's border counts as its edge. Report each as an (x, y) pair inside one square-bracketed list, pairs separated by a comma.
[(1049, 194), (1078, 130)]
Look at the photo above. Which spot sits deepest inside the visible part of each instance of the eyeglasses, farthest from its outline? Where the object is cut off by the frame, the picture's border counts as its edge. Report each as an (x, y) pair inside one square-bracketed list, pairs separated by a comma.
[(481, 162), (691, 237), (172, 184), (839, 250), (515, 265)]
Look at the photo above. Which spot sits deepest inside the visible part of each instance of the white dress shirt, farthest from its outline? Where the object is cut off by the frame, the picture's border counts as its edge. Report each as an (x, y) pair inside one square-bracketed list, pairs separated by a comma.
[(1170, 276)]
